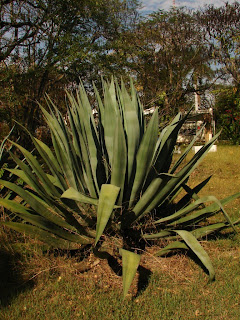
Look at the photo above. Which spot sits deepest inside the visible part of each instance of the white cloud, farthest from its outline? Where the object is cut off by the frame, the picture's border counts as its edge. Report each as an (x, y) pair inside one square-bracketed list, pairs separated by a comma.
[(153, 5)]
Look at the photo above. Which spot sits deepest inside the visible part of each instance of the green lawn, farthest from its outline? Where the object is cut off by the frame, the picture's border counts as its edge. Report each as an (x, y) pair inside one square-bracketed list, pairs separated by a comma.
[(37, 285)]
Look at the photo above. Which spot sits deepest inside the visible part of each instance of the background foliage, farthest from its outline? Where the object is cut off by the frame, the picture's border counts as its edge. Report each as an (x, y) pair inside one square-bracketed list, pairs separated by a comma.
[(227, 111), (48, 45)]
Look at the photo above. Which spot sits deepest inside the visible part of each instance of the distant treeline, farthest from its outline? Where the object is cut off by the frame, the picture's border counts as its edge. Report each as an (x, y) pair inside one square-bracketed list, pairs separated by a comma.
[(48, 46)]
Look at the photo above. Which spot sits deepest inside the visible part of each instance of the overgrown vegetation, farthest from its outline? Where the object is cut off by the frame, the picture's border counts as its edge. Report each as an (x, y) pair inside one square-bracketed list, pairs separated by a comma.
[(227, 113), (51, 285), (122, 168), (170, 53), (108, 191)]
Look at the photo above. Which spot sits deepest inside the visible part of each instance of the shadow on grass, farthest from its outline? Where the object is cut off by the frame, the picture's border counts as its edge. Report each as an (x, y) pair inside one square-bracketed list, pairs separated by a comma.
[(144, 278), (11, 279), (115, 266), (226, 235)]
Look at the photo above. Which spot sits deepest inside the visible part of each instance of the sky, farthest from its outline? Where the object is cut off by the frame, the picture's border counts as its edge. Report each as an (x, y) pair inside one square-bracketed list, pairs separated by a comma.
[(153, 5)]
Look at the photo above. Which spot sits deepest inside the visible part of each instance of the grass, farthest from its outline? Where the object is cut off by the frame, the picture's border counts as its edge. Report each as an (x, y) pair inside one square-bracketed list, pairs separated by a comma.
[(38, 284)]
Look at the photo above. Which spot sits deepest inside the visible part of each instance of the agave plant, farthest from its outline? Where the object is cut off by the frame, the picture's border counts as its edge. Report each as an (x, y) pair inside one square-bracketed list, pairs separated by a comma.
[(123, 168)]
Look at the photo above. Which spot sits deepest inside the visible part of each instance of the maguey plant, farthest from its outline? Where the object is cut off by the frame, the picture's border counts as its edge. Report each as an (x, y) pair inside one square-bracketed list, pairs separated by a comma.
[(124, 169)]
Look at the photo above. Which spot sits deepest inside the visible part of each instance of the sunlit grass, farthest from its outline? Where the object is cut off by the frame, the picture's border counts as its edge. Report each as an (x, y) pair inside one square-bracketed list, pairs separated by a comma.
[(47, 285)]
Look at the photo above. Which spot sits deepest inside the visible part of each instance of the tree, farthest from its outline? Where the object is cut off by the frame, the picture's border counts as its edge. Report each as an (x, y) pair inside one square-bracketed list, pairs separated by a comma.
[(20, 21), (168, 56), (47, 45), (227, 113), (222, 34)]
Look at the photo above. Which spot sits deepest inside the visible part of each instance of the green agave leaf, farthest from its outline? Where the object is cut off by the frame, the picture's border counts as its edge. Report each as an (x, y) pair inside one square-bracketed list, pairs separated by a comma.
[(73, 194), (186, 151), (192, 243), (161, 234), (82, 94), (62, 146), (197, 233), (110, 117), (41, 208), (99, 106), (195, 246), (21, 174), (42, 235), (112, 93), (49, 158), (73, 220), (130, 263), (149, 195), (101, 125), (38, 170), (87, 172), (191, 193), (119, 162), (204, 231), (51, 162), (165, 145), (13, 206), (43, 223), (47, 155), (76, 130), (205, 212), (4, 141), (28, 177), (90, 133), (173, 246), (144, 157), (174, 184), (55, 181), (187, 209), (131, 125), (107, 200)]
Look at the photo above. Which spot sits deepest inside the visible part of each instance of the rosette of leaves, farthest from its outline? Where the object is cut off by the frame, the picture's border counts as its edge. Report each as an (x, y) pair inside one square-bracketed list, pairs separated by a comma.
[(123, 168)]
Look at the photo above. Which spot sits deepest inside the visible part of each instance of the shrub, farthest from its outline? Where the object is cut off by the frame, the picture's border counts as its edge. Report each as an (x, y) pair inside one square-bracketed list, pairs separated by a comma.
[(227, 113), (120, 166)]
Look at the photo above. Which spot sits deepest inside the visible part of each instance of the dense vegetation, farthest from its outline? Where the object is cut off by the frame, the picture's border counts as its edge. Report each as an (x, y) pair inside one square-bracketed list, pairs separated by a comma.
[(46, 46), (38, 284), (123, 169), (111, 180)]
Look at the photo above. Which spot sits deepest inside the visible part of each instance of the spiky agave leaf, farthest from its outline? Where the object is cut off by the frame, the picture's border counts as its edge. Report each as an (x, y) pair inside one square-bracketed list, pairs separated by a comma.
[(130, 263), (107, 200)]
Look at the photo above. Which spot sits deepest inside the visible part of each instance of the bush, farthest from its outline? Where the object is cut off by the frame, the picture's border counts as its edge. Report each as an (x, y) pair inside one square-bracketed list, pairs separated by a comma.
[(228, 113)]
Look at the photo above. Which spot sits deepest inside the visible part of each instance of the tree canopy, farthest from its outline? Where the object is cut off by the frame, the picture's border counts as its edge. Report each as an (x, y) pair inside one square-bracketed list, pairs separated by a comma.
[(169, 55), (49, 45)]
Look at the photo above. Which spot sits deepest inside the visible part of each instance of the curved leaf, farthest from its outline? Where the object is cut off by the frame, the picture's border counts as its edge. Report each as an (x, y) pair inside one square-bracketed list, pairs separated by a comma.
[(195, 246), (130, 263), (73, 194), (144, 157), (107, 200), (42, 235)]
